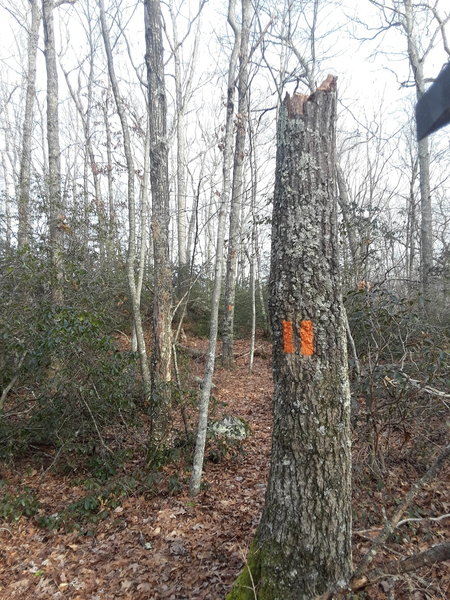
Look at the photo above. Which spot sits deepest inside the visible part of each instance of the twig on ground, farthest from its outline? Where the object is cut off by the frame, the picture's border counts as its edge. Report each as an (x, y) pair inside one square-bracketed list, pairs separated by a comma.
[(433, 555), (393, 523), (362, 577), (400, 523), (424, 387), (418, 520)]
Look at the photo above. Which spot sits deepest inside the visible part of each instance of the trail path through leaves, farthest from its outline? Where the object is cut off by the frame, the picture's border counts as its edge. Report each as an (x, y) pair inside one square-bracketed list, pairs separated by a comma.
[(177, 548)]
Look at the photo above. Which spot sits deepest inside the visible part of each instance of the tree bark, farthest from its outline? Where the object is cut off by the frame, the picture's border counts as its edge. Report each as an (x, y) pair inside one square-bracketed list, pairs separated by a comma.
[(131, 255), (426, 224), (144, 237), (411, 229), (23, 233), (199, 453), (56, 212), (302, 546), (236, 195), (183, 93), (181, 152), (112, 224), (159, 180)]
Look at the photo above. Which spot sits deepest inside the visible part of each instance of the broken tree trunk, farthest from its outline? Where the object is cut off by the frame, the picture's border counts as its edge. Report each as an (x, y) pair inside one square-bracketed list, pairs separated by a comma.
[(302, 546)]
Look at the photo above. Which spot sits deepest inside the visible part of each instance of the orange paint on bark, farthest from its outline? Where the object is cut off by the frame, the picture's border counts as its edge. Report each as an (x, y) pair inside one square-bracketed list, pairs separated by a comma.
[(307, 337), (288, 337), (230, 307)]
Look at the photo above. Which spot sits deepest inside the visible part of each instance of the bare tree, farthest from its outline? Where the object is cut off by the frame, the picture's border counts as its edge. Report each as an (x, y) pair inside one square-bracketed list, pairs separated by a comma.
[(414, 21), (131, 256), (112, 220), (56, 210), (183, 92), (25, 160), (237, 187), (205, 394), (426, 225), (159, 181), (302, 546)]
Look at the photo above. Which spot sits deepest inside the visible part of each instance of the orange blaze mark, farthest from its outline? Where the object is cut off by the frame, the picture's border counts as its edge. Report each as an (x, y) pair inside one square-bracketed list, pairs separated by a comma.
[(288, 337), (230, 307), (307, 337)]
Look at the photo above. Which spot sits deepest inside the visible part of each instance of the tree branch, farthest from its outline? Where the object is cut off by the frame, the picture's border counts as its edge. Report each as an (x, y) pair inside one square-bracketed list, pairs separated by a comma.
[(362, 577), (433, 555), (12, 383), (393, 523)]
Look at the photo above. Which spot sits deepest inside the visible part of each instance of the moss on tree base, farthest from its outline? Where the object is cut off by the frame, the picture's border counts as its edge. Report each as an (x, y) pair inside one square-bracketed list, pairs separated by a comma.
[(266, 576), (252, 582)]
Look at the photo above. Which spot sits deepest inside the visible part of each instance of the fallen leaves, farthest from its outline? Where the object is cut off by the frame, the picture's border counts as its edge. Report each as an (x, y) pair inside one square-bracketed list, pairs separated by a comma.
[(174, 548)]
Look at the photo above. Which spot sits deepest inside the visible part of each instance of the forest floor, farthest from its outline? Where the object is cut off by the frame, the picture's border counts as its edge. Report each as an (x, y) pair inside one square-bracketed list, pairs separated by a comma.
[(161, 546)]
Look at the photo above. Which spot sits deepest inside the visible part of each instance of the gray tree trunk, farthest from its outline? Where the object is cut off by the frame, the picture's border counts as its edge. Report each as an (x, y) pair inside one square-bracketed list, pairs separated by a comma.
[(426, 224), (181, 150), (23, 232), (411, 230), (112, 222), (183, 92), (236, 196), (199, 453), (252, 296), (143, 228), (254, 238), (159, 181), (302, 547), (56, 210), (131, 255)]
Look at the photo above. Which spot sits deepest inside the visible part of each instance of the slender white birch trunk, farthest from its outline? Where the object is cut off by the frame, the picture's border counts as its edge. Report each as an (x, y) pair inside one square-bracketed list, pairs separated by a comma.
[(205, 393), (25, 159), (131, 256)]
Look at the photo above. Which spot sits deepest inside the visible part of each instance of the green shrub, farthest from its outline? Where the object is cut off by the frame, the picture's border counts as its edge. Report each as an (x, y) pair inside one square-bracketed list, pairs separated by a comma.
[(402, 353), (72, 384), (14, 506)]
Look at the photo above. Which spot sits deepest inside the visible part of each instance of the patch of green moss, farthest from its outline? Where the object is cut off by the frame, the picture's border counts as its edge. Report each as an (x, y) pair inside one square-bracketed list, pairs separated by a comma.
[(244, 586), (253, 581)]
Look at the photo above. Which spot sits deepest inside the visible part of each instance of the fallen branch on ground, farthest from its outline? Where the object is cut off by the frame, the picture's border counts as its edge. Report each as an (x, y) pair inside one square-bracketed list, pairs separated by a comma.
[(362, 577), (393, 523), (433, 555), (424, 387), (402, 522), (427, 558)]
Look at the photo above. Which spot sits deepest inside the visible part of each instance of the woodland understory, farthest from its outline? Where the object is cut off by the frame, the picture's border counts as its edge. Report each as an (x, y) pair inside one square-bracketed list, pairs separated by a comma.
[(188, 216), (116, 530)]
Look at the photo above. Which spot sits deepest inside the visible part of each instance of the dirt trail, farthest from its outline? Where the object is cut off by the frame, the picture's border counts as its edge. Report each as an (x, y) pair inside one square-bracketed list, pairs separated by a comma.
[(173, 547)]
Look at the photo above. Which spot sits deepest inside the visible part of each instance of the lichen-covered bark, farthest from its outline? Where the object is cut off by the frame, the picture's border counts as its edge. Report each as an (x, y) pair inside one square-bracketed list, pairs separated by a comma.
[(131, 254), (237, 187), (302, 547), (25, 158), (159, 179), (56, 216)]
